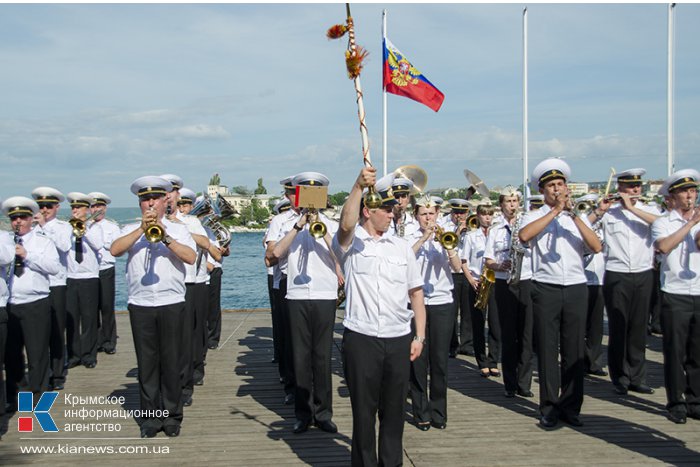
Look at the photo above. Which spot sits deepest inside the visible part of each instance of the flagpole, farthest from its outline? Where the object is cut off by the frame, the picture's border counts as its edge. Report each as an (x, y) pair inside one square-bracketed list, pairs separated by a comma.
[(384, 109), (526, 194), (670, 163)]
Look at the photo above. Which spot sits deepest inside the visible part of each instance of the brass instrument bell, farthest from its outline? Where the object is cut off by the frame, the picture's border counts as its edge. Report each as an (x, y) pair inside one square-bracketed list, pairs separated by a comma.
[(472, 222), (317, 229), (372, 199), (449, 240), (154, 233), (584, 207)]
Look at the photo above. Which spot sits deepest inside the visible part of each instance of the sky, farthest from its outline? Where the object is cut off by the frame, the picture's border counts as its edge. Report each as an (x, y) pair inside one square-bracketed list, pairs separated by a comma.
[(93, 96)]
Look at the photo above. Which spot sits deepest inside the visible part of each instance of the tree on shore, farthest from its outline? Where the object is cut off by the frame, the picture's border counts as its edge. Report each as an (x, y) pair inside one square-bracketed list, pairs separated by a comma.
[(260, 190)]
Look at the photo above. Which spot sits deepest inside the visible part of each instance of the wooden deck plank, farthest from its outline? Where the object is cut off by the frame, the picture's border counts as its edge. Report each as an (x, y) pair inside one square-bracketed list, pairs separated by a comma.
[(238, 417)]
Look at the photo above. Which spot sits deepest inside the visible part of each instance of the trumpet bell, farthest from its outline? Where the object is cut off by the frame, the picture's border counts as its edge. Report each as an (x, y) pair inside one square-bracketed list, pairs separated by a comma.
[(78, 226), (318, 229), (449, 240), (472, 222), (415, 174), (154, 233)]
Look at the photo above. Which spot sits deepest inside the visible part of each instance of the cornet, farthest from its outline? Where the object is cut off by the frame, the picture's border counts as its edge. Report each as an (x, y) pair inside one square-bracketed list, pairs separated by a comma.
[(584, 207), (79, 226), (154, 233), (448, 240), (317, 229), (472, 222)]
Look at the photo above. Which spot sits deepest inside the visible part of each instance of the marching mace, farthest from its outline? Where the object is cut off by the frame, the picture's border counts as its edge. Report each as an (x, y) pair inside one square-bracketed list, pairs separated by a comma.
[(354, 56)]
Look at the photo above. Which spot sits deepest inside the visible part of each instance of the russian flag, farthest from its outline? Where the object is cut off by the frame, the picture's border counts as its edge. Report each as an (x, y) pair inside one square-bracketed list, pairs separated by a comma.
[(401, 78)]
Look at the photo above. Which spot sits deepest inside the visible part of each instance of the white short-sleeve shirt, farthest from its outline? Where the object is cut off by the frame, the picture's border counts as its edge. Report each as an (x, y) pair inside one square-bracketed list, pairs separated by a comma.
[(436, 271), (473, 252), (41, 261), (497, 248), (61, 233), (627, 240), (680, 268)]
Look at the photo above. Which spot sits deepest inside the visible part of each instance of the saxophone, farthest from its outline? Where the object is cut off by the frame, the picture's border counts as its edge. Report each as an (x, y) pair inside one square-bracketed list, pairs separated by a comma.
[(516, 253)]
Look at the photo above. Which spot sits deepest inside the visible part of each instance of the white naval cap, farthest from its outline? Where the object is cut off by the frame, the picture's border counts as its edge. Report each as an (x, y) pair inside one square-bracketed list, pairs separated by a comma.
[(510, 190), (99, 198), (437, 200), (680, 179), (536, 201), (151, 185), (175, 180), (459, 205), (282, 206), (186, 196), (16, 206), (630, 175), (47, 194), (384, 190), (589, 198), (549, 169), (401, 185), (78, 199), (310, 178), (426, 201), (287, 182)]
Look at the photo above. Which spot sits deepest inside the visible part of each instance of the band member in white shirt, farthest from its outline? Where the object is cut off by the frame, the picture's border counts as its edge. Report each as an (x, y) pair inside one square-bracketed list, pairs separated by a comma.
[(462, 337), (312, 291), (155, 275), (381, 275), (83, 285), (677, 237), (512, 294), (437, 263), (404, 223), (107, 337), (558, 240), (279, 227), (29, 318), (628, 282), (595, 271), (7, 257), (60, 232), (473, 257)]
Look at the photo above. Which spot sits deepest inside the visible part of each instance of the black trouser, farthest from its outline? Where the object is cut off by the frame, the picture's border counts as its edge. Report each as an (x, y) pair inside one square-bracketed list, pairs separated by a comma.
[(199, 335), (515, 318), (627, 298), (3, 340), (594, 329), (433, 359), (286, 359), (157, 340), (486, 358), (28, 329), (560, 327), (311, 324), (187, 342), (680, 321), (460, 296), (377, 371), (274, 318), (108, 324), (82, 297), (57, 339), (214, 315), (655, 306)]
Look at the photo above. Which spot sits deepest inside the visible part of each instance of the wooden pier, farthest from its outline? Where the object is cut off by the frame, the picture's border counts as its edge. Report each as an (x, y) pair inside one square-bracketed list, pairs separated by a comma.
[(238, 418)]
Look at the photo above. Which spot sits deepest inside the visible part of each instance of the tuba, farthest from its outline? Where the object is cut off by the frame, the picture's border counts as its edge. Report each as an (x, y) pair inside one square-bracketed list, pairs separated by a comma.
[(486, 281)]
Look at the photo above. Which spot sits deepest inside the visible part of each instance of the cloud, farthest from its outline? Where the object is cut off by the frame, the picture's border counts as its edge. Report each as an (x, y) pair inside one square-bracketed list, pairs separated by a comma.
[(198, 131)]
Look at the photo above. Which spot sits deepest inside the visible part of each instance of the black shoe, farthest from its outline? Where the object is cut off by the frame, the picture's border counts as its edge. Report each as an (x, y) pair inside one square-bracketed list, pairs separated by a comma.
[(187, 401), (100, 349), (527, 393), (509, 394), (620, 389), (423, 426), (171, 430), (213, 346), (600, 372), (57, 387), (572, 420), (439, 426), (549, 421), (111, 351), (468, 353), (678, 418), (90, 364), (694, 414), (199, 382), (301, 426), (289, 399), (453, 354), (282, 380), (327, 425), (72, 364), (274, 360), (641, 388), (656, 331), (148, 432)]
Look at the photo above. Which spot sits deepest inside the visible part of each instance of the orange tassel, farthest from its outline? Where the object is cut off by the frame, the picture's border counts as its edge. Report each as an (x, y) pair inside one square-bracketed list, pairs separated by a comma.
[(337, 31), (353, 62)]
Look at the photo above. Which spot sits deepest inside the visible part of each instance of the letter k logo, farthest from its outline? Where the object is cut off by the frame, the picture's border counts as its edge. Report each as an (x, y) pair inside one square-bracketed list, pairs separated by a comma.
[(25, 403)]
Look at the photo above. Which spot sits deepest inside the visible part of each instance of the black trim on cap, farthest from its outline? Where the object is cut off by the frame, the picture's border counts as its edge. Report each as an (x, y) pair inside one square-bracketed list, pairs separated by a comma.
[(79, 204), (148, 190), (629, 178), (17, 211), (550, 175), (182, 201), (400, 188), (47, 199)]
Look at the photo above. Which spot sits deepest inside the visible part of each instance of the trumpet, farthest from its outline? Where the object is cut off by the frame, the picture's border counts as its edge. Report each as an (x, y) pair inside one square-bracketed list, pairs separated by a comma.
[(154, 233), (584, 207), (486, 281), (472, 222), (448, 240), (79, 226), (317, 229)]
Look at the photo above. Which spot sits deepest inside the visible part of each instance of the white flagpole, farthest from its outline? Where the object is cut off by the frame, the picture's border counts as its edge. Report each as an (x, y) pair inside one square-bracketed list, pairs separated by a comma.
[(670, 163), (384, 118), (525, 170)]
